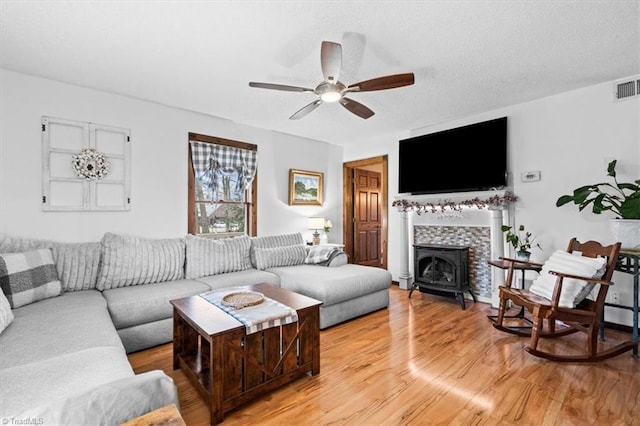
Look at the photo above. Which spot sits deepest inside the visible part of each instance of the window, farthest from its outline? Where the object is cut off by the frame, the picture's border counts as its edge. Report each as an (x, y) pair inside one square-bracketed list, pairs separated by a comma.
[(222, 187)]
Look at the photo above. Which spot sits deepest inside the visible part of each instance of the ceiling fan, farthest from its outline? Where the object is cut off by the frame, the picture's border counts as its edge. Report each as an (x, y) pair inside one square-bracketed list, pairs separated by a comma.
[(333, 90)]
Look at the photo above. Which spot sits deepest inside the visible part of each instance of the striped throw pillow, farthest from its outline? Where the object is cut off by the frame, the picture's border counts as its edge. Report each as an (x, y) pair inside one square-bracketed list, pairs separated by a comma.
[(206, 256), (129, 260), (574, 291), (77, 263), (273, 241), (280, 256)]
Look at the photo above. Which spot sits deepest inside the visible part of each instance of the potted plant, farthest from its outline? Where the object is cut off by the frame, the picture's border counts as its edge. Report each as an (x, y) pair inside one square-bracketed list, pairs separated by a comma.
[(521, 240), (620, 198)]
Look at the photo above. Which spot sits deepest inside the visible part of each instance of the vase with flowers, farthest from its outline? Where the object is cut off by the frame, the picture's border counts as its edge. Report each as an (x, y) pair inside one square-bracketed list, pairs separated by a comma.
[(521, 240)]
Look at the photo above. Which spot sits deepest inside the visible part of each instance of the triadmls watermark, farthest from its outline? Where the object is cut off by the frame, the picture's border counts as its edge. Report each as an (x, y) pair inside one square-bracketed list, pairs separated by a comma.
[(22, 421)]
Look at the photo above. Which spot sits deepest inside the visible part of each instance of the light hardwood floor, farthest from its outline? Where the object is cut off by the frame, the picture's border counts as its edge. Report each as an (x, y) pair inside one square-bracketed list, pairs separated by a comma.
[(425, 361)]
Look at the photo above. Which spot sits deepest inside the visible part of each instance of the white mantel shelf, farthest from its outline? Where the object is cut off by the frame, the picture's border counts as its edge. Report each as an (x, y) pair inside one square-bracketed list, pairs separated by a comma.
[(426, 203), (453, 196)]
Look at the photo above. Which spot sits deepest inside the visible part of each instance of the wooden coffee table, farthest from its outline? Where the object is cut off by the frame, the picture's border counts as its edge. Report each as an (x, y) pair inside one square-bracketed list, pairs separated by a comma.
[(229, 367)]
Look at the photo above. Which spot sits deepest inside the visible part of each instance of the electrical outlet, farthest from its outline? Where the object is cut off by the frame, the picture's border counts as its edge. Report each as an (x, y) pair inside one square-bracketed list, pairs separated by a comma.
[(614, 297), (532, 176)]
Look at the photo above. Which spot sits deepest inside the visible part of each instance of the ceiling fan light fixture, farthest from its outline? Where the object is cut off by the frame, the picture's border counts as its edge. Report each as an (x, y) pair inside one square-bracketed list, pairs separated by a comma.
[(330, 96), (332, 90)]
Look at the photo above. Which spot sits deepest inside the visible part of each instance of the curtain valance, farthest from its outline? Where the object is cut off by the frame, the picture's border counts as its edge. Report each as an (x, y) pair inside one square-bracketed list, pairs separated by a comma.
[(211, 162)]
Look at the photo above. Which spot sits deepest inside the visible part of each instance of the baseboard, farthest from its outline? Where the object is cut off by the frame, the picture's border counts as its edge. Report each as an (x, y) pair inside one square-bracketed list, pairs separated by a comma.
[(619, 327)]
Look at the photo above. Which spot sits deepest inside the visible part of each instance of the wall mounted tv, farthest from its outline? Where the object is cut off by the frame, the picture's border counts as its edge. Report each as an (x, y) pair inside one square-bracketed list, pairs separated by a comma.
[(468, 158)]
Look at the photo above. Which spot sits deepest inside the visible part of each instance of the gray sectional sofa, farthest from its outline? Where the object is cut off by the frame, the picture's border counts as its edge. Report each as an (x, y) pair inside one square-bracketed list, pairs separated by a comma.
[(63, 358)]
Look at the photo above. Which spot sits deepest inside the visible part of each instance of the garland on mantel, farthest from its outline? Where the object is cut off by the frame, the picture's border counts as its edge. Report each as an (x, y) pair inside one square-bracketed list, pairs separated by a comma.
[(442, 206)]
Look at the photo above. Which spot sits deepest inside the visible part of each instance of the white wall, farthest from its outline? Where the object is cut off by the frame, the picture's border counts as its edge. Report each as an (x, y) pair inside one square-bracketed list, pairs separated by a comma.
[(159, 164), (568, 137)]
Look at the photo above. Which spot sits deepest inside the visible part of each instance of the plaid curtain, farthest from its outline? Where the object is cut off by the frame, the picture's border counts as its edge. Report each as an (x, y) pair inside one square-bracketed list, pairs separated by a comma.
[(210, 161)]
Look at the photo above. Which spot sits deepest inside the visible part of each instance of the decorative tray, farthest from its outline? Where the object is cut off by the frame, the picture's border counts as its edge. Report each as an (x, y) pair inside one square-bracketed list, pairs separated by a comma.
[(243, 299)]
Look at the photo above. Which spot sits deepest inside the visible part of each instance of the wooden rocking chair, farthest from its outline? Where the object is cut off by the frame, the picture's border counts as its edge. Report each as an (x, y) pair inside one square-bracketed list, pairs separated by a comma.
[(584, 317)]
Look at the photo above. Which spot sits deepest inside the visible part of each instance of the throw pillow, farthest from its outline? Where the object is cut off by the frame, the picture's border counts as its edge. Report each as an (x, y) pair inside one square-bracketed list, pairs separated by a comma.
[(321, 254), (206, 256), (77, 263), (573, 291), (280, 256), (272, 241), (128, 260), (28, 277), (6, 314)]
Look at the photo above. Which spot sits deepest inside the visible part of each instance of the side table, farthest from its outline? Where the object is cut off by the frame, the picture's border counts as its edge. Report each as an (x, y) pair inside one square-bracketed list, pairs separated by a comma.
[(502, 264), (628, 263)]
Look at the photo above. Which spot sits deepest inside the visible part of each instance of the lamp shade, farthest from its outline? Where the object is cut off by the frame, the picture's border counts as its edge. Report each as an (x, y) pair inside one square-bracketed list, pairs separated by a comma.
[(315, 223)]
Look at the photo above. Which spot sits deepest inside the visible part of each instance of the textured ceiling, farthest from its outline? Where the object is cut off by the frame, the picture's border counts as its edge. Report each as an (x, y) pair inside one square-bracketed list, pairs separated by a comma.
[(467, 56)]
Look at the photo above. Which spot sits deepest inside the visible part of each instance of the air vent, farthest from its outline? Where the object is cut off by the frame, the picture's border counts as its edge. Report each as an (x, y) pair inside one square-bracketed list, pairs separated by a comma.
[(628, 88)]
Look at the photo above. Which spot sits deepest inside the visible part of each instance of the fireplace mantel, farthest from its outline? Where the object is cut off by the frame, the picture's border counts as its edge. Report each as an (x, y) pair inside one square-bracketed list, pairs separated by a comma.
[(425, 204)]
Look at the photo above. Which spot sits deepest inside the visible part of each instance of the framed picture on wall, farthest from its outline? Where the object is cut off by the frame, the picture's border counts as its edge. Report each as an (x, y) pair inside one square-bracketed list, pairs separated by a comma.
[(305, 188)]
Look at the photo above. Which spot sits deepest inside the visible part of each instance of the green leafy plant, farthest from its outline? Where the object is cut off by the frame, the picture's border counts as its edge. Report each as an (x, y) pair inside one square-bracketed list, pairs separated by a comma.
[(520, 239), (621, 198)]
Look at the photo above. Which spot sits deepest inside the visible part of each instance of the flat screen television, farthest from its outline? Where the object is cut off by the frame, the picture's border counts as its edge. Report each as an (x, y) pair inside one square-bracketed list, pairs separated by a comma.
[(468, 158)]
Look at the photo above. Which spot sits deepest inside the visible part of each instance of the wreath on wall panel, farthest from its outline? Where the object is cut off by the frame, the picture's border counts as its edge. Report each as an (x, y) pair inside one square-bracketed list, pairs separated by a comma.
[(90, 164)]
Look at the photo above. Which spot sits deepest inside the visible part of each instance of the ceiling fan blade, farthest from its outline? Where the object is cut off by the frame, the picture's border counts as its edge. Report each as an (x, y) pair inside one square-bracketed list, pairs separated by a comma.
[(382, 83), (356, 107), (305, 110), (331, 60), (279, 87)]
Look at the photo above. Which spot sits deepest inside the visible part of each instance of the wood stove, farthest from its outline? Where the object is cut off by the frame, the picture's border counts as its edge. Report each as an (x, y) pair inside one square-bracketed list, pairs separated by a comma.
[(443, 270)]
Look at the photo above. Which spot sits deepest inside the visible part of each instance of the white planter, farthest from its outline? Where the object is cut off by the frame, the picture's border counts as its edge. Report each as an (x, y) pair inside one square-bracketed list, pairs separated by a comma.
[(627, 231), (324, 238)]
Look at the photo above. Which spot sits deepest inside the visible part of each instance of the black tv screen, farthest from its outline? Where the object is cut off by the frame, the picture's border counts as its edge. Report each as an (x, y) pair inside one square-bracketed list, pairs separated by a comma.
[(468, 158)]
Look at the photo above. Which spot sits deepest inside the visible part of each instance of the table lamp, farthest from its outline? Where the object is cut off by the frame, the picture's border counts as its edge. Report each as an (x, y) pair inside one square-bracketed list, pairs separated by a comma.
[(315, 223)]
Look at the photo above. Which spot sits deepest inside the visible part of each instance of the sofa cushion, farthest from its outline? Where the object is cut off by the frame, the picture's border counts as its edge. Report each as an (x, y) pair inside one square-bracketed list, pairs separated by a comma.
[(573, 291), (240, 278), (30, 385), (111, 403), (77, 263), (28, 277), (206, 256), (68, 323), (140, 304), (280, 256), (333, 285), (271, 241), (6, 315), (343, 311), (147, 335), (131, 260)]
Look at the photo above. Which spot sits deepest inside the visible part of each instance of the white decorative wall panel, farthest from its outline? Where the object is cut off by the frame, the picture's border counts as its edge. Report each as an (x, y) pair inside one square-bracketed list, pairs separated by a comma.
[(62, 188)]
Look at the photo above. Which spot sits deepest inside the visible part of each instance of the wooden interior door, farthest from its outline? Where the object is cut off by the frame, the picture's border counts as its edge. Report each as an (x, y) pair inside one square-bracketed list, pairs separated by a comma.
[(367, 218)]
